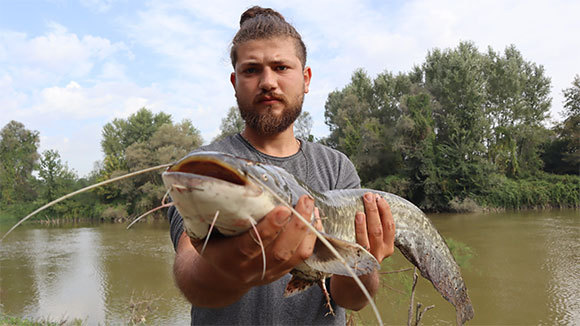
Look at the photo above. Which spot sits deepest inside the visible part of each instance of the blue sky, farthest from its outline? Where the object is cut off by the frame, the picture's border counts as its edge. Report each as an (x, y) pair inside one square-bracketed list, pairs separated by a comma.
[(69, 67)]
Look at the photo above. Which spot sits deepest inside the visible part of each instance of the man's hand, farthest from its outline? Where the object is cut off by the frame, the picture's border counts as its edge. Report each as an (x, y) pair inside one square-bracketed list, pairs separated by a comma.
[(230, 266), (375, 231)]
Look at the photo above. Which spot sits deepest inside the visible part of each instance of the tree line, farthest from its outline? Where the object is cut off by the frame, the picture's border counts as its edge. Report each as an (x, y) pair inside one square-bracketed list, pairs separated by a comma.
[(464, 130)]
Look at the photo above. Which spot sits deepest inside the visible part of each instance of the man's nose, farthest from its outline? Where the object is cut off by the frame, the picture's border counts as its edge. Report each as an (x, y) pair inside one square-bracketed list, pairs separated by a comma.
[(267, 79)]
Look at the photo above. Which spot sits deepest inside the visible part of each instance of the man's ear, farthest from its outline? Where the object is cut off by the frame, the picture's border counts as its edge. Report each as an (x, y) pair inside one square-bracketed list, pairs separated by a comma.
[(307, 77), (233, 79)]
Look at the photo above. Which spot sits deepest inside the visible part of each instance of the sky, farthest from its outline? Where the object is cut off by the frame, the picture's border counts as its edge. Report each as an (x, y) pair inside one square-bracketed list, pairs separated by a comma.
[(69, 67)]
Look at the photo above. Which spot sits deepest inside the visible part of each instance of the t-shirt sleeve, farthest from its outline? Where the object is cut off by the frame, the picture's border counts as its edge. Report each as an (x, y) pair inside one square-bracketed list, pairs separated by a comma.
[(347, 177), (175, 224)]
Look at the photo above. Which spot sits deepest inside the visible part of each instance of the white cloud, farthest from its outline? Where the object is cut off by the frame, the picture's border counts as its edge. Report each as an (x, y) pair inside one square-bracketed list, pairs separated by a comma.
[(54, 56)]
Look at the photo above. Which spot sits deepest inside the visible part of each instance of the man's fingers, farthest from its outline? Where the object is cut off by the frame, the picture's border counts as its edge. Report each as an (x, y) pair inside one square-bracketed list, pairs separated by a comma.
[(373, 220), (388, 226), (295, 231), (307, 245), (360, 226), (318, 222), (268, 229), (387, 220)]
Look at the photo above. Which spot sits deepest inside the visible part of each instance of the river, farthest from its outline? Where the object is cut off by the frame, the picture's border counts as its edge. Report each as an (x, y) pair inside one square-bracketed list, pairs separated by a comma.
[(524, 269)]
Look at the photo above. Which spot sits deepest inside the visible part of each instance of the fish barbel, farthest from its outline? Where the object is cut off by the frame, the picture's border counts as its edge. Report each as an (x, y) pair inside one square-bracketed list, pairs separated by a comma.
[(244, 191)]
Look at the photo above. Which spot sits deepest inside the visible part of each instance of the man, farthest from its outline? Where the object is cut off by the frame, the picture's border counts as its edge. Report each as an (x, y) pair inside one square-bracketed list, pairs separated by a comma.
[(225, 286)]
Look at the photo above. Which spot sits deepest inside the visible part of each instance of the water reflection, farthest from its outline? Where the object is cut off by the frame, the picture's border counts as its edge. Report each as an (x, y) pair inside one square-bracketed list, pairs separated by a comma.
[(67, 274)]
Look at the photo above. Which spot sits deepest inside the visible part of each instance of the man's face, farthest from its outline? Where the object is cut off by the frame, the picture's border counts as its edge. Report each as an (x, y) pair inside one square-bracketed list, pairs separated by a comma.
[(270, 84)]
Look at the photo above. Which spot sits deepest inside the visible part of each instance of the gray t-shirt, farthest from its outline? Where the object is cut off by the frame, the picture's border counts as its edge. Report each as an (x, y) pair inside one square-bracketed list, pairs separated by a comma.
[(322, 169)]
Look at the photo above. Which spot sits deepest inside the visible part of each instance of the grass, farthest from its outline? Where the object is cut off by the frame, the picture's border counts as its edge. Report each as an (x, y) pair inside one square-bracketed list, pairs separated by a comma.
[(19, 321)]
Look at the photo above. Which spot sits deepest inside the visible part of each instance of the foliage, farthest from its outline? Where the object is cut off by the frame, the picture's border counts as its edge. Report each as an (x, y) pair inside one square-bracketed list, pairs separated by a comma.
[(562, 152), (231, 124), (437, 134), (56, 180), (517, 104), (543, 191), (161, 142), (143, 140), (18, 158)]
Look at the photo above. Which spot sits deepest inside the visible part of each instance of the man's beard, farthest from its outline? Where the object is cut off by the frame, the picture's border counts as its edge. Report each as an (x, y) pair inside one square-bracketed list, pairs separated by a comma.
[(266, 123)]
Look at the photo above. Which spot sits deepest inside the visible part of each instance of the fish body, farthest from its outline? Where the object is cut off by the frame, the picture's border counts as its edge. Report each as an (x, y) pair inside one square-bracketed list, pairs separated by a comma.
[(204, 182)]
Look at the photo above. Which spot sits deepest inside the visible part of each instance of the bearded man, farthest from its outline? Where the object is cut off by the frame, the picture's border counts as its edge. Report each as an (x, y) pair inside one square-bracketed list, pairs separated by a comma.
[(226, 286)]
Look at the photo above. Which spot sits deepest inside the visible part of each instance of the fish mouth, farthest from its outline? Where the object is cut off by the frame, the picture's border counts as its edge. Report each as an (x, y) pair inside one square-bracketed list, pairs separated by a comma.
[(212, 167)]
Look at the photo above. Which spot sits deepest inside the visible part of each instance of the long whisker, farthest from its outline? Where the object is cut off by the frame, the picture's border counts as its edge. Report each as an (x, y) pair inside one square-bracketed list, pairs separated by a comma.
[(165, 196), (96, 185), (253, 223), (209, 232), (149, 212), (327, 244)]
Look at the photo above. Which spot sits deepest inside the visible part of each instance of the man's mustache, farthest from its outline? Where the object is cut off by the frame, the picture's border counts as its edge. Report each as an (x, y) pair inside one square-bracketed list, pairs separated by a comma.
[(268, 97)]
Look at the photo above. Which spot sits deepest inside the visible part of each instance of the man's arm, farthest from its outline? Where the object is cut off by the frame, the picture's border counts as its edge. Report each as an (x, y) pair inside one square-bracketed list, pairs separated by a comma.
[(375, 230), (231, 266)]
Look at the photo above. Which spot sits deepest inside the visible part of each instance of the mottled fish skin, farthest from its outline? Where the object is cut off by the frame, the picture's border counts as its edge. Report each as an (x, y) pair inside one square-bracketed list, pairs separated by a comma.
[(415, 237)]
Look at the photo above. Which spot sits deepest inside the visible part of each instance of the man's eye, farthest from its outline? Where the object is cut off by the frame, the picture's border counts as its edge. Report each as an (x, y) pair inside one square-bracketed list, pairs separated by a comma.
[(282, 68), (250, 70)]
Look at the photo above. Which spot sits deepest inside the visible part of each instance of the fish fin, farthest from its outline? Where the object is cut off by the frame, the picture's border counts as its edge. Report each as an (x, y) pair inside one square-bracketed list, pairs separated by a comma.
[(297, 285), (360, 261), (322, 284)]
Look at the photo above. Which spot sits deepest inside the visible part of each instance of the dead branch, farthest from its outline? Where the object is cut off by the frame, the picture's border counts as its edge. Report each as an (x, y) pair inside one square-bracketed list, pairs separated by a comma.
[(420, 314), (411, 304)]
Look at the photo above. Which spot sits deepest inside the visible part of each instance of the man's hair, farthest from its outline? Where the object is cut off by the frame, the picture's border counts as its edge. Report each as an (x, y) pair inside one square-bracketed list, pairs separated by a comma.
[(263, 23)]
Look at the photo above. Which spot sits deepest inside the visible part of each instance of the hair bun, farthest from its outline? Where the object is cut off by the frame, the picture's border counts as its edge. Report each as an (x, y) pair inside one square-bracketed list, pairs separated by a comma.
[(256, 11)]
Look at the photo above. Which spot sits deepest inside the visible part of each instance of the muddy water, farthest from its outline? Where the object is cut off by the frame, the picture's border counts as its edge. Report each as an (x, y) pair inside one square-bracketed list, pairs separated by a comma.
[(524, 269)]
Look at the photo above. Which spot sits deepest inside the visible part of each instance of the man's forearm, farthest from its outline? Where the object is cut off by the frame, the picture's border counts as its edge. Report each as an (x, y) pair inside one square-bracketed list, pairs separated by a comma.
[(346, 292), (201, 283)]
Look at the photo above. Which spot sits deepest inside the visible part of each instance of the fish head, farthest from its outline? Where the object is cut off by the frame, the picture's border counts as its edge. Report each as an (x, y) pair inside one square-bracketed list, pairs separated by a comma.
[(203, 183)]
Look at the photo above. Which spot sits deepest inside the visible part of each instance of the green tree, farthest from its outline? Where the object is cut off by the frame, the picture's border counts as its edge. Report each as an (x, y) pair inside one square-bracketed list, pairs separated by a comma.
[(56, 180), (56, 177), (18, 158), (416, 143), (517, 104), (361, 117), (231, 124), (121, 133), (167, 143), (118, 135), (444, 133), (561, 153)]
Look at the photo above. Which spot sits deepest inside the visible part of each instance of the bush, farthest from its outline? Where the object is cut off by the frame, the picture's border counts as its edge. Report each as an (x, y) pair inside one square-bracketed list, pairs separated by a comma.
[(467, 205), (545, 191), (395, 184), (115, 213)]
